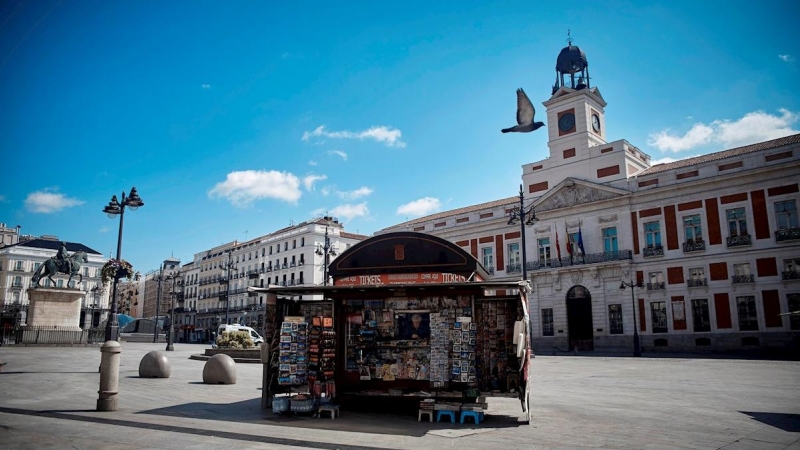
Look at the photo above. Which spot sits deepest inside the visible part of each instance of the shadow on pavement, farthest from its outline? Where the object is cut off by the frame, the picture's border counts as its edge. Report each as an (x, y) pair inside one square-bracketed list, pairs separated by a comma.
[(25, 372), (785, 422), (249, 411)]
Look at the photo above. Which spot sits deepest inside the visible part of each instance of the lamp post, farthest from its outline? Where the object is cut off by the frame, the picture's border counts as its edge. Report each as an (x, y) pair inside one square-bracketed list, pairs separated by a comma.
[(170, 331), (525, 217), (325, 250), (228, 265), (158, 302), (117, 208), (637, 350)]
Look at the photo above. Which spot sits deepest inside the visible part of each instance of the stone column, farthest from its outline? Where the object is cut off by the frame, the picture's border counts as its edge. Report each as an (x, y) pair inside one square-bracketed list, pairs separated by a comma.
[(108, 399)]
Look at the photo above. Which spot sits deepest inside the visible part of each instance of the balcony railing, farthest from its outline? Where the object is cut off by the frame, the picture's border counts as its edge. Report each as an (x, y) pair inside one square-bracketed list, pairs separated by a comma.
[(513, 268), (653, 251), (790, 275), (738, 241), (590, 258), (694, 246), (736, 279), (490, 270), (697, 282), (655, 286), (789, 234)]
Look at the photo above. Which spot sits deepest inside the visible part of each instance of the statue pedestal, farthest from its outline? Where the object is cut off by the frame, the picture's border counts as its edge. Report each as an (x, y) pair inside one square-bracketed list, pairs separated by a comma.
[(53, 317)]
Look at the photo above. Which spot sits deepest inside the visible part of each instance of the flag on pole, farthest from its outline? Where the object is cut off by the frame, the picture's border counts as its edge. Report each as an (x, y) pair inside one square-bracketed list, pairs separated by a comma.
[(580, 240), (569, 244), (558, 246)]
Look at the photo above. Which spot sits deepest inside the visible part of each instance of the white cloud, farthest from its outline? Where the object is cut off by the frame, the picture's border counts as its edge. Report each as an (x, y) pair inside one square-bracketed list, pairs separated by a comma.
[(348, 211), (358, 193), (340, 153), (244, 187), (3, 199), (786, 58), (49, 201), (387, 135), (753, 127), (421, 207), (326, 190), (700, 134), (206, 86), (310, 179), (104, 229), (312, 163)]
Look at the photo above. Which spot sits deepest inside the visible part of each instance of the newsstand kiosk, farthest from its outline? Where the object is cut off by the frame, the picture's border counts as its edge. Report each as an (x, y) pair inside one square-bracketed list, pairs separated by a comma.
[(409, 324)]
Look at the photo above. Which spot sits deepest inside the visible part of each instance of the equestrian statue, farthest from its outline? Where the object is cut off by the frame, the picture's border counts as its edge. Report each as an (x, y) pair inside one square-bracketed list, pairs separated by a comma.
[(63, 262)]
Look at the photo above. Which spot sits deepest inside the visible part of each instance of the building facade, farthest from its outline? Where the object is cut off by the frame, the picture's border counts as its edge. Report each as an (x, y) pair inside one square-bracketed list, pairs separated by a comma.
[(711, 244), (293, 256), (20, 260)]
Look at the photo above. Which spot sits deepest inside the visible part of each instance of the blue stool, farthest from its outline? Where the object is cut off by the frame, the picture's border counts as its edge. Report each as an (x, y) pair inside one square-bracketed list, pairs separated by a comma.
[(452, 415), (477, 416)]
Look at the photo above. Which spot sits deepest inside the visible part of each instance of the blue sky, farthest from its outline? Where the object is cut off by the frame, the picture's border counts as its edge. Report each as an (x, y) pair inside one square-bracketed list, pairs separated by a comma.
[(233, 119)]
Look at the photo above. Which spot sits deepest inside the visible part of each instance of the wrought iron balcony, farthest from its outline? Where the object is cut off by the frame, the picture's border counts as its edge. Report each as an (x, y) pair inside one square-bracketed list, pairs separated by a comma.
[(697, 282), (655, 286), (789, 234), (590, 258), (653, 251), (301, 262), (292, 264), (694, 246), (490, 270), (514, 268), (738, 241), (736, 279), (790, 275)]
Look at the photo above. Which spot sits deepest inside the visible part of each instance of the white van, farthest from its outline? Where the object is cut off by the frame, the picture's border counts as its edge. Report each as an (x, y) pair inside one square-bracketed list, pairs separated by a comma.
[(257, 339)]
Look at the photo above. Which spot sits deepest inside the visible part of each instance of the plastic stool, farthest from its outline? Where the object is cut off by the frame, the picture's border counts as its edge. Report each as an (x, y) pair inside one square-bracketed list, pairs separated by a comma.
[(333, 409), (452, 415), (422, 412), (477, 416)]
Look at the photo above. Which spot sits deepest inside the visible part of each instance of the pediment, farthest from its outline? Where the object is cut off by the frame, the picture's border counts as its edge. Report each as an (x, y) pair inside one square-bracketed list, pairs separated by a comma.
[(571, 192)]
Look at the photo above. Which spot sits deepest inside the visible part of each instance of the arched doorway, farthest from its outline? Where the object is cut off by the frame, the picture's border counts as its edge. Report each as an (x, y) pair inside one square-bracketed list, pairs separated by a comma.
[(579, 318)]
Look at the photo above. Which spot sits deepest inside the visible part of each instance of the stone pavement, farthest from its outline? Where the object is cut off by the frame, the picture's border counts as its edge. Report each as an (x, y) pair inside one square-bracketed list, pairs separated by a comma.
[(48, 397)]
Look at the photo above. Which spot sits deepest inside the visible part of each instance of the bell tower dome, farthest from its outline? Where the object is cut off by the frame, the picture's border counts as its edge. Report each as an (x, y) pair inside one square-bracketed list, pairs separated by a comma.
[(571, 62)]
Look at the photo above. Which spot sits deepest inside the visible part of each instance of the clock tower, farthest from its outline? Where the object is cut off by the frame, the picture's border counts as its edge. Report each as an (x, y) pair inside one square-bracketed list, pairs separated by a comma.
[(575, 111)]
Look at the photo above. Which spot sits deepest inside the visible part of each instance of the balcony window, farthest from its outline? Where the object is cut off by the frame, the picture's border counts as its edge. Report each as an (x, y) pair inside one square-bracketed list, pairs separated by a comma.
[(19, 266), (658, 315), (610, 240), (693, 232), (652, 239), (786, 218), (741, 273), (513, 258), (656, 281), (615, 319), (746, 308), (302, 242), (791, 269), (487, 253), (737, 228), (700, 316), (544, 250), (17, 282), (697, 277), (547, 322), (794, 307)]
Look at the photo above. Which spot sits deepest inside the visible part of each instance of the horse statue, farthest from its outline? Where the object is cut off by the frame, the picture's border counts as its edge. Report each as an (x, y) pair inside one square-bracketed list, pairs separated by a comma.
[(70, 266)]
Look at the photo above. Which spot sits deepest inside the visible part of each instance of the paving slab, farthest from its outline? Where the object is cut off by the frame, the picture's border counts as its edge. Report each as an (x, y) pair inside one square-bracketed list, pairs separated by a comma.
[(48, 396)]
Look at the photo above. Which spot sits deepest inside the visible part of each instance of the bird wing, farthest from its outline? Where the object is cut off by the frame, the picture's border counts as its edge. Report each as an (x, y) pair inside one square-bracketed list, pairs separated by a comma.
[(525, 110)]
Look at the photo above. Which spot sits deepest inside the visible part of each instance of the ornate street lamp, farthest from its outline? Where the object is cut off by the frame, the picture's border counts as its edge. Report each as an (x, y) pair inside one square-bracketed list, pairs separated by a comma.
[(228, 265), (637, 350), (170, 330), (117, 208), (326, 250), (525, 217)]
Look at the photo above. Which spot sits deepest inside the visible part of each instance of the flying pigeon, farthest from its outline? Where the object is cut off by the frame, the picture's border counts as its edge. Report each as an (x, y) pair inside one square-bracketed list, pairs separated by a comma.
[(525, 113)]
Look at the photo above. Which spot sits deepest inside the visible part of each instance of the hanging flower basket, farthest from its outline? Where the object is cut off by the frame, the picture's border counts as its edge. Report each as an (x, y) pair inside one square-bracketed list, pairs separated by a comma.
[(116, 269)]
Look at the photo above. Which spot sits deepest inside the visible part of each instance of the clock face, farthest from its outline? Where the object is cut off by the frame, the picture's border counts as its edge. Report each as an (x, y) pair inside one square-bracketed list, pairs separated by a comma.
[(566, 122), (596, 123)]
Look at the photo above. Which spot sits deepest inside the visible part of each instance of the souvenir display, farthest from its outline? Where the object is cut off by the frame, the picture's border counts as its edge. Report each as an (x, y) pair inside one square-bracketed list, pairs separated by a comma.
[(496, 360), (293, 358)]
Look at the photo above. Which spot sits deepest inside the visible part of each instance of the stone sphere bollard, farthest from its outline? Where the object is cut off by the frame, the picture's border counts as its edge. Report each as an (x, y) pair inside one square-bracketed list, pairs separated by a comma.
[(154, 365), (219, 369)]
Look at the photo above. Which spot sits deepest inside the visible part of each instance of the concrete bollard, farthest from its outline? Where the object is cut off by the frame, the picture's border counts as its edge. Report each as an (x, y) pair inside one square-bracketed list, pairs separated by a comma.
[(109, 376), (154, 365)]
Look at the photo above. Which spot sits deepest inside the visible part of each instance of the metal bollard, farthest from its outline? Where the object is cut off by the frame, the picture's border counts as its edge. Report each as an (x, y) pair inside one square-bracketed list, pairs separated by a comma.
[(109, 376)]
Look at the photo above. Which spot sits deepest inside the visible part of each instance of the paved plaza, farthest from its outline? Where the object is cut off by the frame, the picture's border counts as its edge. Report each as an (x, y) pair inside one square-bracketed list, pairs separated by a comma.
[(48, 396)]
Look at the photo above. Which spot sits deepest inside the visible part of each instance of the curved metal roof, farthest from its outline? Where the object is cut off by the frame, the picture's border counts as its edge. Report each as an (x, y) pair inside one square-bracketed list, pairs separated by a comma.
[(405, 252)]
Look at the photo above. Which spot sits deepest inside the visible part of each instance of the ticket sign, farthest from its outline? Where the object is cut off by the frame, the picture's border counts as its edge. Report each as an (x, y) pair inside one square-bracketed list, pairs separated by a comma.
[(386, 279)]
